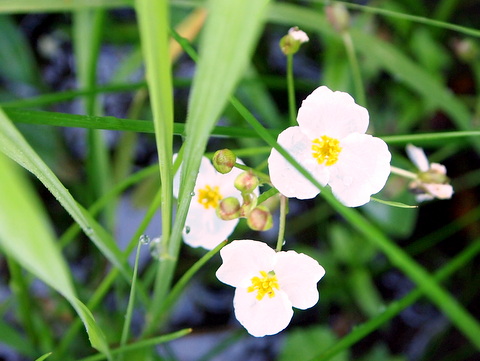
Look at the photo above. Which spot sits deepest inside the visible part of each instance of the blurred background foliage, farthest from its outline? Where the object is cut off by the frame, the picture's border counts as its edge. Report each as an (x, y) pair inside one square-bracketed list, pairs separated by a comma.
[(72, 80)]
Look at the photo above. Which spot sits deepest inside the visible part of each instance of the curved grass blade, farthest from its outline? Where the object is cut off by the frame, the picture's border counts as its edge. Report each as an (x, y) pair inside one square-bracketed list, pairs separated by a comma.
[(14, 145), (24, 235)]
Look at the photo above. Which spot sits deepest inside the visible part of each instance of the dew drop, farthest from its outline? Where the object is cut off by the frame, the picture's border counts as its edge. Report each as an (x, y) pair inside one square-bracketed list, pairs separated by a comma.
[(187, 229), (192, 194), (144, 239), (155, 247), (89, 231)]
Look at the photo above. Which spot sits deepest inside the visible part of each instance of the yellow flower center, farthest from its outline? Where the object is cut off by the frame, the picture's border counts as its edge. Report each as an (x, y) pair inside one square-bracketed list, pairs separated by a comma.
[(209, 197), (326, 150), (264, 285)]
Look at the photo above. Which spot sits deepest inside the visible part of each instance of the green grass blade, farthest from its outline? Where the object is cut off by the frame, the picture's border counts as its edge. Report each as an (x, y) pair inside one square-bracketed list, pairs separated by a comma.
[(16, 57), (14, 145), (153, 18), (24, 235), (43, 357), (227, 41), (413, 18), (396, 307), (142, 344), (16, 340), (29, 6)]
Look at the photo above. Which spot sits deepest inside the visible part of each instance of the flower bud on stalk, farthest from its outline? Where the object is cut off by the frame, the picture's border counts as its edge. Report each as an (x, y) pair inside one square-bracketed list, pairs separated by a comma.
[(291, 42), (228, 209), (246, 182), (260, 219), (224, 160)]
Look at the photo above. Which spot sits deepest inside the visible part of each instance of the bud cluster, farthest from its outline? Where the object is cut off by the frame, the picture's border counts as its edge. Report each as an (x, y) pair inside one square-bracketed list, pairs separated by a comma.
[(258, 218)]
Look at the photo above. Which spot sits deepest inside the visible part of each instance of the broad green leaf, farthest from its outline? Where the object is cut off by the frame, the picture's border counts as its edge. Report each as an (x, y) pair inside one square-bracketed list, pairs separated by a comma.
[(14, 145), (25, 236)]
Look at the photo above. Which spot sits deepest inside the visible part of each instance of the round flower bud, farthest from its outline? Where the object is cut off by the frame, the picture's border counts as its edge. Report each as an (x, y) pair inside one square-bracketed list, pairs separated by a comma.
[(246, 182), (228, 209), (291, 42), (260, 219), (224, 160)]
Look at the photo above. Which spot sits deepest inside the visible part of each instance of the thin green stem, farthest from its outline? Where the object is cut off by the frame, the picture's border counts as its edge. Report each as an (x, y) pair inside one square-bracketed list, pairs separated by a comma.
[(141, 344), (176, 290), (131, 302), (357, 76), (292, 106), (282, 222), (403, 173)]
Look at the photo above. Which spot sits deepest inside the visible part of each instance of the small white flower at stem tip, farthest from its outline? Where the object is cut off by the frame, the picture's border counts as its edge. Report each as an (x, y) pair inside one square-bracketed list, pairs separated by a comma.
[(298, 34)]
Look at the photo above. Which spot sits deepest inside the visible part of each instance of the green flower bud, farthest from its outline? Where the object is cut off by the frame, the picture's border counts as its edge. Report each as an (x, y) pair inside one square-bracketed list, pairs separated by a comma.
[(246, 182), (224, 160), (260, 219), (291, 42), (228, 209)]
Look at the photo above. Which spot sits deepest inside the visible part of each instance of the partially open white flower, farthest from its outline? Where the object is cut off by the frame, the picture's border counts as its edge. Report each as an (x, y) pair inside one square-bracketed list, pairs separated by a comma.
[(268, 284), (330, 144), (298, 35), (203, 228), (432, 181)]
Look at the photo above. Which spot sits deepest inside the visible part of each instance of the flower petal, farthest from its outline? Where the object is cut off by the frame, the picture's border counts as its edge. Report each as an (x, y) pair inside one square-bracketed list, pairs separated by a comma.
[(418, 157), (362, 169), (297, 275), (265, 317), (204, 229), (242, 260), (285, 177), (334, 114)]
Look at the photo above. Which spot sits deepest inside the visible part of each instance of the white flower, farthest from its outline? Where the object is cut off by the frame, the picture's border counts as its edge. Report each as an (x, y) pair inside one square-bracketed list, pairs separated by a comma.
[(432, 180), (203, 228), (268, 284), (298, 35), (330, 144)]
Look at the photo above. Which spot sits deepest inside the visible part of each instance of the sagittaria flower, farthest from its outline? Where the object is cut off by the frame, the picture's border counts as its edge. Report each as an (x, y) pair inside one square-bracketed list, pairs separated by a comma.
[(330, 143), (268, 284), (431, 181), (203, 228)]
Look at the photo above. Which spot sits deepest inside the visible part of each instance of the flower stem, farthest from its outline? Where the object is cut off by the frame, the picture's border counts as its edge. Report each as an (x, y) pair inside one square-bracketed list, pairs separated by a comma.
[(292, 107), (402, 172), (357, 77), (281, 226)]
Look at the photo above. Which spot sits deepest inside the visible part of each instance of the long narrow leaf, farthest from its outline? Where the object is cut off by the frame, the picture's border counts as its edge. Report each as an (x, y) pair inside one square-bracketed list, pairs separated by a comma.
[(14, 145), (24, 235)]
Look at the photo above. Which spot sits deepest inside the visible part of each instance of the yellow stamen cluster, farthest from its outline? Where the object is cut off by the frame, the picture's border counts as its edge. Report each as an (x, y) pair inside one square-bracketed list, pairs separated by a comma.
[(209, 197), (264, 285), (326, 150)]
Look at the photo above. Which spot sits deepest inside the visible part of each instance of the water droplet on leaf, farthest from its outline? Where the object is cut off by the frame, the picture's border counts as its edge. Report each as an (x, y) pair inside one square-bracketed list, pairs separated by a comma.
[(144, 239), (187, 229)]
